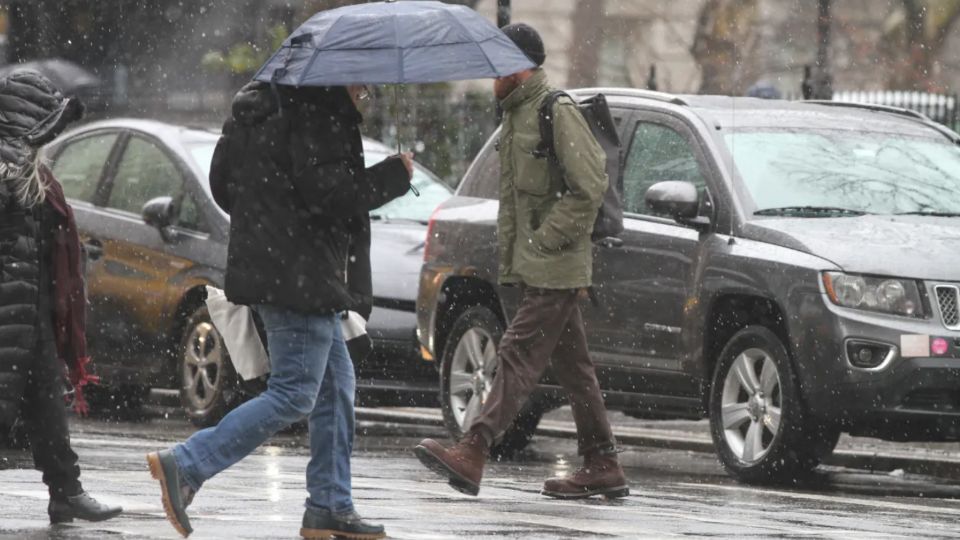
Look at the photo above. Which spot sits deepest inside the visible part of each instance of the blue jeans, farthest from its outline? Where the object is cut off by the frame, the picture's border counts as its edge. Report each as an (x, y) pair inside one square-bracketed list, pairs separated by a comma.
[(311, 374)]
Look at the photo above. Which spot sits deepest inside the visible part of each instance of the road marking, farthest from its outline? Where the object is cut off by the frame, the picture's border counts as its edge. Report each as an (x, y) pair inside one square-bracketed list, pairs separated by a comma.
[(829, 498)]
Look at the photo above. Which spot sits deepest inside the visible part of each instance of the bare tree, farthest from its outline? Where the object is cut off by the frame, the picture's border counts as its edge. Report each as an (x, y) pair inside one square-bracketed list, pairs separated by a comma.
[(916, 33), (726, 35), (587, 41)]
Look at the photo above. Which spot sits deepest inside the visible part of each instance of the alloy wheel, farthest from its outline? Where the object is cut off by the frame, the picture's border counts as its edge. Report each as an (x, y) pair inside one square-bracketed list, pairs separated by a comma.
[(751, 405), (203, 358), (471, 375)]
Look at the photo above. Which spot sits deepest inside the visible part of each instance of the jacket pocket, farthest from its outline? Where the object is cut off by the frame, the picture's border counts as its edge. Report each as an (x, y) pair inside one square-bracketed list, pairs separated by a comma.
[(532, 174)]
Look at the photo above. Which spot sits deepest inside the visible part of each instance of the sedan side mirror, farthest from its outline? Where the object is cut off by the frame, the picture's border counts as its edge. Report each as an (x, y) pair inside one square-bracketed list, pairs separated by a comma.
[(159, 213), (679, 200)]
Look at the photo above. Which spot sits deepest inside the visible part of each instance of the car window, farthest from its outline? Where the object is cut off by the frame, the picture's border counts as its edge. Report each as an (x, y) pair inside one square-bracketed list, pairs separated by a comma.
[(79, 165), (190, 216), (417, 206), (144, 173), (484, 179), (657, 153)]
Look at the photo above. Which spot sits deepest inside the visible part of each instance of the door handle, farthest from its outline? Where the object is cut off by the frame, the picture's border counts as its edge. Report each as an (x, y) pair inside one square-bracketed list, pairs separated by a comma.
[(611, 242), (94, 249)]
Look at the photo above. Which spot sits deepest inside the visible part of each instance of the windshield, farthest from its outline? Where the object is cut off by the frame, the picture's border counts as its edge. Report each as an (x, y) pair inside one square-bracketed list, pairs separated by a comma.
[(843, 171), (411, 207)]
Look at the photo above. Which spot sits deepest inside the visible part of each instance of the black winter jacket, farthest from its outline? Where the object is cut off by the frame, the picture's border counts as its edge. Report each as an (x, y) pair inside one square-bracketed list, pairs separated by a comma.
[(19, 301), (289, 170)]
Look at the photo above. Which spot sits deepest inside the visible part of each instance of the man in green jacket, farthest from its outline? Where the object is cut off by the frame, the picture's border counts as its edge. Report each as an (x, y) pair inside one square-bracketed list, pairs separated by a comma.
[(547, 212)]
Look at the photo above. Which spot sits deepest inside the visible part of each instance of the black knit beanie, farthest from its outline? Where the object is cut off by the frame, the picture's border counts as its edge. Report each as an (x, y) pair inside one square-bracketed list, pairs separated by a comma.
[(528, 40)]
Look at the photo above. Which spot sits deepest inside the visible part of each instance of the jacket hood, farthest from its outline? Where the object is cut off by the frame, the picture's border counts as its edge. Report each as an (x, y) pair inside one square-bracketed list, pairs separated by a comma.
[(32, 113), (258, 101), (254, 103), (916, 247)]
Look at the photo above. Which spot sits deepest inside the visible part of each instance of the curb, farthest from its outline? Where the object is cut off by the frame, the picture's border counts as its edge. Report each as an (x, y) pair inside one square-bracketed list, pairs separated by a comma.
[(946, 466)]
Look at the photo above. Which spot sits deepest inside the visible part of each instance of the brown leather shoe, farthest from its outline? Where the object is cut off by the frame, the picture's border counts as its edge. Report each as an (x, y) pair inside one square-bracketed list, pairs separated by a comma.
[(601, 474), (462, 464)]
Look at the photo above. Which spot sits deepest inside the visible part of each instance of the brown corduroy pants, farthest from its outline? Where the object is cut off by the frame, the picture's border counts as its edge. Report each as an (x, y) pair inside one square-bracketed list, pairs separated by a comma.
[(548, 325)]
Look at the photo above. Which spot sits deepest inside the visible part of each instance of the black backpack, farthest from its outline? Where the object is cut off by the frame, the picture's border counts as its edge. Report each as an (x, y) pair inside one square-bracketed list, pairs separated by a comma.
[(595, 111)]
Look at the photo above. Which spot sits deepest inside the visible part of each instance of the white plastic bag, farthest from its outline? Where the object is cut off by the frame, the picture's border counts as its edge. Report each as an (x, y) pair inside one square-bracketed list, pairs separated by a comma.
[(239, 331), (359, 344), (236, 326)]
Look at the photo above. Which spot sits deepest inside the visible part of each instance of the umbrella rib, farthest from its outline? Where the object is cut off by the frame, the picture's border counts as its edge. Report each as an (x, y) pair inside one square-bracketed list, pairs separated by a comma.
[(487, 58), (317, 48), (475, 43)]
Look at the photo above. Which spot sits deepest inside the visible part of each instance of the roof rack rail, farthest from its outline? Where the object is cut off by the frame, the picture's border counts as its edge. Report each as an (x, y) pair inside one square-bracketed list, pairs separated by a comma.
[(633, 92), (869, 106), (914, 115)]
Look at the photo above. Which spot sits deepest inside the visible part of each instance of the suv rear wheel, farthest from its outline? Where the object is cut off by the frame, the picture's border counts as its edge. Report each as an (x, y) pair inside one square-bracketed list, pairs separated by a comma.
[(208, 383), (467, 370), (757, 418)]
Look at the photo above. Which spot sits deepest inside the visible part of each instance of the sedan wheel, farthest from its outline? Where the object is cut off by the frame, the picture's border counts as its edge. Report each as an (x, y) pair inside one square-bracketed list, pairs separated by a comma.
[(207, 379), (203, 365)]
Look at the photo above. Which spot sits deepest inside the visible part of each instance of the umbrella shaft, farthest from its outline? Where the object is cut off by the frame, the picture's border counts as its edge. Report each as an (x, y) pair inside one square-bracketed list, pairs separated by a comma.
[(396, 109)]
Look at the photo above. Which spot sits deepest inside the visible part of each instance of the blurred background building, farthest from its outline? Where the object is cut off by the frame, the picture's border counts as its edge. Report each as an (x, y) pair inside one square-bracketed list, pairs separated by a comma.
[(183, 59)]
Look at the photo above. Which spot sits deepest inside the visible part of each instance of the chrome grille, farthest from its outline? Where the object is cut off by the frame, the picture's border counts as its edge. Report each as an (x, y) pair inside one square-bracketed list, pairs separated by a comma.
[(949, 304)]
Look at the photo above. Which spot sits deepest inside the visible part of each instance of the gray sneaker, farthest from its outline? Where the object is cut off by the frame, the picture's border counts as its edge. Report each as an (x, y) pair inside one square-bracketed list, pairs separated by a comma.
[(323, 524), (175, 493)]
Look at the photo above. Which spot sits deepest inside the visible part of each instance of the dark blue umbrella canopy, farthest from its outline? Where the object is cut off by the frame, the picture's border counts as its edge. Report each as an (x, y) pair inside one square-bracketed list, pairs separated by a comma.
[(393, 42)]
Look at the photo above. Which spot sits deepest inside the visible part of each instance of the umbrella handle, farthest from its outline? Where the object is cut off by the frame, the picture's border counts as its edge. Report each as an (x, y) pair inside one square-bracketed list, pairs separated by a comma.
[(396, 110)]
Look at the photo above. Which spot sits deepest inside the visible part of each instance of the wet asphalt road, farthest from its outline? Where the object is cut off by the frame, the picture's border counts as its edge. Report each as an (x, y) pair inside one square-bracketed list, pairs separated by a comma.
[(674, 494)]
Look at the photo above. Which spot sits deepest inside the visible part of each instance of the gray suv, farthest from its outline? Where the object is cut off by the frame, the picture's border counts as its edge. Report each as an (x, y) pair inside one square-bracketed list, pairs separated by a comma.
[(789, 270)]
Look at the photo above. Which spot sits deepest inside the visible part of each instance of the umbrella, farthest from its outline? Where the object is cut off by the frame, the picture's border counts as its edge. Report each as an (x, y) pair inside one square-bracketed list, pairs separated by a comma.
[(393, 43), (70, 78)]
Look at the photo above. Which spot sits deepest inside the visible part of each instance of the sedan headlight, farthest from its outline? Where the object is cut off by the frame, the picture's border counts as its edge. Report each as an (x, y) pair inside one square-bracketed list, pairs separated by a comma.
[(886, 295)]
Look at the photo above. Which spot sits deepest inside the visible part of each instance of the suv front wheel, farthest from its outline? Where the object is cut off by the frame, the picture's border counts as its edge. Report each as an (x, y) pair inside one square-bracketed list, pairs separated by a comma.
[(757, 419), (467, 369)]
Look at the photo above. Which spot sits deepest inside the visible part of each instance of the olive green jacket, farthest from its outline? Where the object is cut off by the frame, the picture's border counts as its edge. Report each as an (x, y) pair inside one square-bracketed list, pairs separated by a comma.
[(546, 217)]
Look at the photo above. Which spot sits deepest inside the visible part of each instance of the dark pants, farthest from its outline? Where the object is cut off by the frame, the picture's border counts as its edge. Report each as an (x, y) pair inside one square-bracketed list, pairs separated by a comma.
[(45, 416), (547, 325)]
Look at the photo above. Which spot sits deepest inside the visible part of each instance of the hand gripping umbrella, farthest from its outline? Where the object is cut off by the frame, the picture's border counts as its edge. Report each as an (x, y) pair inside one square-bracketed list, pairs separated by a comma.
[(393, 42)]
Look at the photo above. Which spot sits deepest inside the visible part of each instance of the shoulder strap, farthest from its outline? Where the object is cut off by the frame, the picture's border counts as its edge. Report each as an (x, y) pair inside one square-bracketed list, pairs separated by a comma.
[(546, 149)]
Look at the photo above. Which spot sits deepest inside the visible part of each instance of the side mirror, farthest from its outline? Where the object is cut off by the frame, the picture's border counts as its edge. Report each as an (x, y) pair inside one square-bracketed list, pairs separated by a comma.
[(679, 200), (159, 213)]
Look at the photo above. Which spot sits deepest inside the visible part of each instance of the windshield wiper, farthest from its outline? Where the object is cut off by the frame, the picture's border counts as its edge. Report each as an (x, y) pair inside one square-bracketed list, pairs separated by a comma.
[(934, 214), (814, 211), (391, 219)]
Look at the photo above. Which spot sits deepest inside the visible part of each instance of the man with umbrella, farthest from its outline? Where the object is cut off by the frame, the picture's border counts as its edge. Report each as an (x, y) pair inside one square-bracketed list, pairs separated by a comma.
[(289, 170)]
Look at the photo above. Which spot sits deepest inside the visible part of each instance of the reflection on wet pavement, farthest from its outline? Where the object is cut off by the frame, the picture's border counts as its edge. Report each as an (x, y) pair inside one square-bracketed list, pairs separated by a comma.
[(673, 494)]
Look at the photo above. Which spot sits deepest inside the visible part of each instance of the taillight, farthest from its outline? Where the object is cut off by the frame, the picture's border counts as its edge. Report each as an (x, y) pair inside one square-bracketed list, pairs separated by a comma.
[(428, 243)]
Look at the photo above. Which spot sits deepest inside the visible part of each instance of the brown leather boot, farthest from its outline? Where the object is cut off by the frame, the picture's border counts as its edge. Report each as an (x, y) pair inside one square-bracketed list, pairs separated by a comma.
[(462, 464), (601, 474)]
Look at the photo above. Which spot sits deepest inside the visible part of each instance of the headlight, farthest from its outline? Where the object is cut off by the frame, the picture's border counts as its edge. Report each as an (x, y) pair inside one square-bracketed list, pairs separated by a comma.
[(886, 295)]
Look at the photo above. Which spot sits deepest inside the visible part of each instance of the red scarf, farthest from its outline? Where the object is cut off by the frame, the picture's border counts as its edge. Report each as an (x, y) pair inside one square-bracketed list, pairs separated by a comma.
[(70, 303)]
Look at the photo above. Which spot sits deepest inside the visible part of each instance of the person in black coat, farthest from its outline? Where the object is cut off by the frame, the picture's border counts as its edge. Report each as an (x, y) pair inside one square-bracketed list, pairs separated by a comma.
[(289, 170), (42, 303)]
